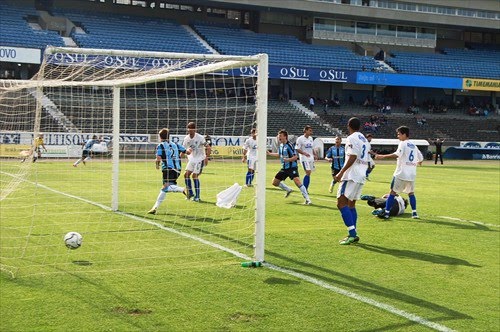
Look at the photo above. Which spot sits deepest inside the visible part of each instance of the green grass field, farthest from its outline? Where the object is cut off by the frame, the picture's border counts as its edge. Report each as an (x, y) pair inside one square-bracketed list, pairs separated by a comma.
[(441, 271)]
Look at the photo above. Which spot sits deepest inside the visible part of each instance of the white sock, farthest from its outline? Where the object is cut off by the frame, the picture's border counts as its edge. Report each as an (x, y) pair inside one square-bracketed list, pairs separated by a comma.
[(161, 198), (77, 162), (175, 188), (87, 159), (284, 187), (303, 190)]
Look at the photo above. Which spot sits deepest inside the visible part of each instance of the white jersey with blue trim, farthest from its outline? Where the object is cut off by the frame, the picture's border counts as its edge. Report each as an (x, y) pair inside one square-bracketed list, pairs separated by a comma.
[(197, 144), (251, 146), (357, 144), (408, 158), (305, 144)]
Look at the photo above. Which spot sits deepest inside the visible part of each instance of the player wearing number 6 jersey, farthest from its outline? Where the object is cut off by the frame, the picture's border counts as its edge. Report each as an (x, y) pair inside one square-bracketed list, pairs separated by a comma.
[(352, 178), (408, 157)]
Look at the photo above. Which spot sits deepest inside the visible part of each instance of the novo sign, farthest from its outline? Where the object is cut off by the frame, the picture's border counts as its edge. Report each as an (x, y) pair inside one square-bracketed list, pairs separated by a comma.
[(20, 55)]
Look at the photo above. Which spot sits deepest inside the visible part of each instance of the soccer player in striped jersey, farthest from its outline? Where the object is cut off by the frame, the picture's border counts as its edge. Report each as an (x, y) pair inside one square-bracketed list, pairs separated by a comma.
[(288, 158), (250, 156), (352, 178), (336, 156), (408, 157), (87, 151), (168, 157), (307, 155), (199, 152)]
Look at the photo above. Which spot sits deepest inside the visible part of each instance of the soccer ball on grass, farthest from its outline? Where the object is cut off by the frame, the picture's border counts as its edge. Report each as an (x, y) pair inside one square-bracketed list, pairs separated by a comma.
[(73, 240)]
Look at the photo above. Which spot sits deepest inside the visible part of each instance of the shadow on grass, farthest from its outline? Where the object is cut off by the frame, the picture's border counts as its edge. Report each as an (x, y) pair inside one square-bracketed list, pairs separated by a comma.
[(457, 224), (281, 281), (351, 283), (421, 256)]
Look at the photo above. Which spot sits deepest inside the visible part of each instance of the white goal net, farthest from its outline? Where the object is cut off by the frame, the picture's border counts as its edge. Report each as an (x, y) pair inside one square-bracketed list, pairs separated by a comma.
[(113, 104)]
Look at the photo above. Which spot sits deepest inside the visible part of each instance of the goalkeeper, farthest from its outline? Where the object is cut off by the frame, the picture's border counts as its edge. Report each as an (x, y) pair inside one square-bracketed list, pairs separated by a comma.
[(379, 204)]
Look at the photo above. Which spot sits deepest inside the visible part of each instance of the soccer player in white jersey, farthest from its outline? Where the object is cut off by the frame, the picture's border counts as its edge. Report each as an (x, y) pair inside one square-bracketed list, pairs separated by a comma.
[(250, 156), (352, 178), (198, 153), (408, 157), (307, 155)]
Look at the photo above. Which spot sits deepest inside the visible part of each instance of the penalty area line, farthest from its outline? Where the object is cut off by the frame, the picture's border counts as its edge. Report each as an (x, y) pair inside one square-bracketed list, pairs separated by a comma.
[(380, 305)]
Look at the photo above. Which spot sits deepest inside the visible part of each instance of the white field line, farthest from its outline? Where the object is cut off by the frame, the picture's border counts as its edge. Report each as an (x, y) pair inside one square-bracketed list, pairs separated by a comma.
[(315, 281)]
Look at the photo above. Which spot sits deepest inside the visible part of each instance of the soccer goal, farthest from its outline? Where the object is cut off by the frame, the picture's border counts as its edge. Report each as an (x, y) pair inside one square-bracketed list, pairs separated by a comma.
[(120, 100)]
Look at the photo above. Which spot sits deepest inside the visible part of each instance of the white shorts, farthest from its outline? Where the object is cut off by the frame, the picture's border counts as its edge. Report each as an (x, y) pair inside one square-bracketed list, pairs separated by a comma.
[(252, 163), (402, 186), (308, 165), (195, 166), (350, 189)]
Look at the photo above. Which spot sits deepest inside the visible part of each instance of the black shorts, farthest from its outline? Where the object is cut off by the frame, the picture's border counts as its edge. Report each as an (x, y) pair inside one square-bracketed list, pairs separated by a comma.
[(170, 176), (291, 173), (86, 153)]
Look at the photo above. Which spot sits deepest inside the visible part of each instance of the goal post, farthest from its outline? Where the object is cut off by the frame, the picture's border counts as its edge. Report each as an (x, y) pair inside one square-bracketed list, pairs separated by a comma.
[(123, 98)]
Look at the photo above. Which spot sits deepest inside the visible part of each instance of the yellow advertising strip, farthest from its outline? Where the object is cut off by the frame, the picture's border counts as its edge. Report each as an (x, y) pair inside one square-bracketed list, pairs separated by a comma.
[(227, 151), (480, 84), (13, 150)]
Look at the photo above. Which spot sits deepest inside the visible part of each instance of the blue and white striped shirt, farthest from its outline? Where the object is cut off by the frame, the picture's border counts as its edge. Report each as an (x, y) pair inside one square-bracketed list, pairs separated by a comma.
[(287, 151), (170, 154)]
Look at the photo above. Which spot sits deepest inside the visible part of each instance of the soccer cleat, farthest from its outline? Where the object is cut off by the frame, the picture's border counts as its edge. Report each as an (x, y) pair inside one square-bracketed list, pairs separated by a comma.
[(368, 178), (414, 215), (378, 212), (249, 185), (367, 197), (288, 193), (307, 202), (383, 215), (152, 211), (348, 240), (83, 161), (75, 165), (196, 199)]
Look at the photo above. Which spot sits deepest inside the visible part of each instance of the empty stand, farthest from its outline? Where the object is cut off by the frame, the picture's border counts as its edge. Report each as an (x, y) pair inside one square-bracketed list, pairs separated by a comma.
[(282, 49), (109, 31), (451, 63), (15, 30)]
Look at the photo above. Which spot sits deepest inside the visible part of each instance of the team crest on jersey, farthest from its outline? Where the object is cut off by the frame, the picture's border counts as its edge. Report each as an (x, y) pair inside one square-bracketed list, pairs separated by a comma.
[(410, 145)]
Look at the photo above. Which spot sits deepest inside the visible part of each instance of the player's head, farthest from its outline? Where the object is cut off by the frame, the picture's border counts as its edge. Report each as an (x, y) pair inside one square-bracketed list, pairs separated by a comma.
[(164, 133), (403, 132), (338, 140), (369, 137), (282, 136), (191, 127), (308, 130), (40, 135), (354, 124), (94, 137), (253, 132)]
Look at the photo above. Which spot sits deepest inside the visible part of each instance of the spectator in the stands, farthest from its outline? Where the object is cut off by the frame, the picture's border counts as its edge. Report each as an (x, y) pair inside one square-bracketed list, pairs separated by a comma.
[(367, 102), (311, 103), (336, 101)]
